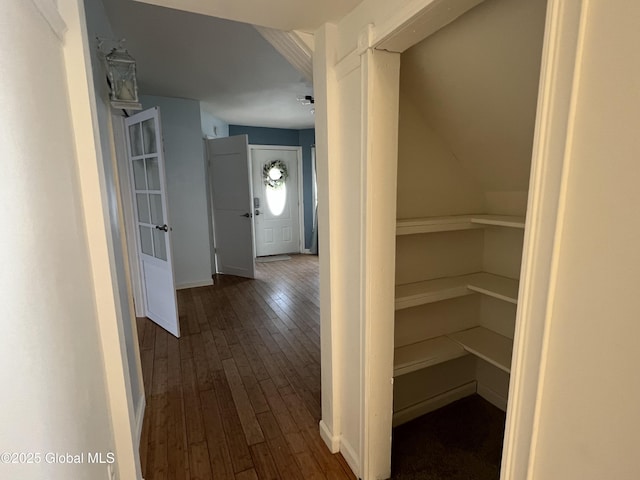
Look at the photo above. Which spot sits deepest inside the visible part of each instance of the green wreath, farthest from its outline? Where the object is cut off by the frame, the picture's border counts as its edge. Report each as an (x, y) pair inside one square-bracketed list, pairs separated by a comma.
[(275, 173)]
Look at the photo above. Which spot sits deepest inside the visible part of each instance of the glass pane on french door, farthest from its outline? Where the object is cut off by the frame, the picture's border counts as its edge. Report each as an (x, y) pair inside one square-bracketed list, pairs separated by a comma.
[(159, 244), (147, 185), (135, 135)]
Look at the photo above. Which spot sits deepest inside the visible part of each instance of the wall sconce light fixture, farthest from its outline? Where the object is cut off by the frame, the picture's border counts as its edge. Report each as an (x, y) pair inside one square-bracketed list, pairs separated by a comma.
[(121, 68)]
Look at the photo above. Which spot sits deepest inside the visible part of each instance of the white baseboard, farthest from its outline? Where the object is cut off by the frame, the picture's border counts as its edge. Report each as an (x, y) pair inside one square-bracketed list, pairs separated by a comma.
[(492, 397), (203, 283), (332, 441), (350, 456), (140, 418), (414, 411), (306, 251)]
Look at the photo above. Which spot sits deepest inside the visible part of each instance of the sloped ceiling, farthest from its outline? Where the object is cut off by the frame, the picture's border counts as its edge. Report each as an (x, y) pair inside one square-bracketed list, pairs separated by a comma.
[(305, 15), (225, 64), (476, 83)]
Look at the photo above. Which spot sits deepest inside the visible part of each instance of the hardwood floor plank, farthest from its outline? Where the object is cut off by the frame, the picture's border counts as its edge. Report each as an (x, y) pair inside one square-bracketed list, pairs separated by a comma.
[(192, 407), (177, 446), (199, 462), (145, 440), (185, 347), (296, 442), (264, 463), (187, 309), (221, 343), (221, 466), (278, 408), (210, 350), (258, 401), (279, 448), (275, 374), (298, 385), (201, 363), (148, 342), (234, 434), (249, 340), (298, 411), (250, 425), (141, 326), (247, 475), (146, 358), (309, 467), (157, 458), (268, 340)]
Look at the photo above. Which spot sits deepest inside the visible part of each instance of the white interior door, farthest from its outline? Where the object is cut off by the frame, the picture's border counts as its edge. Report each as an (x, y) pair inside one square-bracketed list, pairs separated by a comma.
[(276, 199), (148, 183), (231, 201)]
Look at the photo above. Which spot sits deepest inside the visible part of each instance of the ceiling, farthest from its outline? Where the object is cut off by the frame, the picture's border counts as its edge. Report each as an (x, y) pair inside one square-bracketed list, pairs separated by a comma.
[(305, 15), (228, 65)]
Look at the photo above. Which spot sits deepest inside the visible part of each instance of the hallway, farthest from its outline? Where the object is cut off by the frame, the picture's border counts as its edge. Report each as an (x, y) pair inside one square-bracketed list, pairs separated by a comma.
[(238, 395)]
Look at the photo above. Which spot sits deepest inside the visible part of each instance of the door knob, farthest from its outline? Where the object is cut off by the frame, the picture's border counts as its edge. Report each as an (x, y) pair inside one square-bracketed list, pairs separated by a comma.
[(164, 227), (257, 212), (248, 215)]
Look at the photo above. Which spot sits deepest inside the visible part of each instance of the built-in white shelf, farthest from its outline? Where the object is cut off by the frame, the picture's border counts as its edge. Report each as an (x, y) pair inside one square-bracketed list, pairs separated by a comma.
[(429, 291), (478, 341), (499, 221), (413, 226), (427, 353), (495, 286), (434, 224), (486, 344)]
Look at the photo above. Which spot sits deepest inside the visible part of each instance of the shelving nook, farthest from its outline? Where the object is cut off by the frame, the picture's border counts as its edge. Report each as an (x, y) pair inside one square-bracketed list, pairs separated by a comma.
[(464, 155)]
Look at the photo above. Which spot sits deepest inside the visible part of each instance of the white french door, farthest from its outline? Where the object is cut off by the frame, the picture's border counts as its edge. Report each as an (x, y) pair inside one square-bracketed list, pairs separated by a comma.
[(276, 199), (148, 184)]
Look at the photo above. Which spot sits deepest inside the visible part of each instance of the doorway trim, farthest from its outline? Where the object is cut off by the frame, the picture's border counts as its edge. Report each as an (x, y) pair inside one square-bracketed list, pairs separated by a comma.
[(298, 150)]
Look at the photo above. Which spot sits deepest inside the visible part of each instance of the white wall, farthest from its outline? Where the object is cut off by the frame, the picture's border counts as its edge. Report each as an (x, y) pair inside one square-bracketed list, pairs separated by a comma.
[(186, 188), (54, 393), (476, 83), (432, 181), (588, 413)]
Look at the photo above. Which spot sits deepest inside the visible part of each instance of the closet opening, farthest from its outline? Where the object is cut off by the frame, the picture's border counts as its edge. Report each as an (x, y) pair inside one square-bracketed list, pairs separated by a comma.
[(467, 112)]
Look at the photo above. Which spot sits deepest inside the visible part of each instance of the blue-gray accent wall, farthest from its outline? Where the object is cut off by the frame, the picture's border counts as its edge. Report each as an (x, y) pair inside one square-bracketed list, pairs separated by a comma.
[(288, 137)]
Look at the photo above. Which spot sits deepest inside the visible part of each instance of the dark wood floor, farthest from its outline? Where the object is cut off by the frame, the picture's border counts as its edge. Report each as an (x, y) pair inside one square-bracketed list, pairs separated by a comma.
[(238, 395)]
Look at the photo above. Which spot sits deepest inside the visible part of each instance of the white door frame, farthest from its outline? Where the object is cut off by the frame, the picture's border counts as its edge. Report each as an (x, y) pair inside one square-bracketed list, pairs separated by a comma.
[(298, 150)]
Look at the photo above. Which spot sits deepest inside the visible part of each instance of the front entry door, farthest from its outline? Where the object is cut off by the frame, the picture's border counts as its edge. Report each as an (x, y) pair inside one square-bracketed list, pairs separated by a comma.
[(276, 199), (148, 183)]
